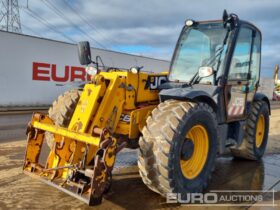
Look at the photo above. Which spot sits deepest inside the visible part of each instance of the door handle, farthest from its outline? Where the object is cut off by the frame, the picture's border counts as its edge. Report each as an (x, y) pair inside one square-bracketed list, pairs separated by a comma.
[(229, 95)]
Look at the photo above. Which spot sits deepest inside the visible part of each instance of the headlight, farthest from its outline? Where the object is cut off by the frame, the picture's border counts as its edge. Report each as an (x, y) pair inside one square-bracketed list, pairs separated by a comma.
[(91, 70), (134, 70)]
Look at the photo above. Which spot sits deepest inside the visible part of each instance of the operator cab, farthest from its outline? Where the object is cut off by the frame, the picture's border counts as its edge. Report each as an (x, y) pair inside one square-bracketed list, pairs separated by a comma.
[(217, 62)]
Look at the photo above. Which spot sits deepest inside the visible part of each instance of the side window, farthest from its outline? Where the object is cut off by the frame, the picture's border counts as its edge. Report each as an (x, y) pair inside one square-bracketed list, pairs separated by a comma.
[(256, 58), (239, 67)]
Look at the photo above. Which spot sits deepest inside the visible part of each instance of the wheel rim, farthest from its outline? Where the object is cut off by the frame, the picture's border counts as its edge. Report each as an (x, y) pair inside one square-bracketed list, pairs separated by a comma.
[(192, 167), (260, 131)]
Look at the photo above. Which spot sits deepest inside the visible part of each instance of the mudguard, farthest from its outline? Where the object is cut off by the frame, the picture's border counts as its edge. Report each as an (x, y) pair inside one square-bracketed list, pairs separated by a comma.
[(262, 97)]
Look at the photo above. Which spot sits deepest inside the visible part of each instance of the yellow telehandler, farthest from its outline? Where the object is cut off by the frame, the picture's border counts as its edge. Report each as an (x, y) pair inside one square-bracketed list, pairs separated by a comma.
[(181, 120)]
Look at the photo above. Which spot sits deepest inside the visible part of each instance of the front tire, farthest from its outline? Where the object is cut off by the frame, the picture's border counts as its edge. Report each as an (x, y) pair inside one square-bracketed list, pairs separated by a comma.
[(178, 148), (62, 111)]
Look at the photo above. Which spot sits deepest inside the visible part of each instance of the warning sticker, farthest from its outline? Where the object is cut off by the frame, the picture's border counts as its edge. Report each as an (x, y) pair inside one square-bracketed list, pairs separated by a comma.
[(236, 107)]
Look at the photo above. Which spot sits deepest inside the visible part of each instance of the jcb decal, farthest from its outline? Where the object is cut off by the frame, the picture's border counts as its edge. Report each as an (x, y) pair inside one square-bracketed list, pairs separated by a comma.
[(154, 82), (125, 118)]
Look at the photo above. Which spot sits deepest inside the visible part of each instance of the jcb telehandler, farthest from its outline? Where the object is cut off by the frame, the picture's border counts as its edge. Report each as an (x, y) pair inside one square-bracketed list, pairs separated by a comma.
[(206, 105)]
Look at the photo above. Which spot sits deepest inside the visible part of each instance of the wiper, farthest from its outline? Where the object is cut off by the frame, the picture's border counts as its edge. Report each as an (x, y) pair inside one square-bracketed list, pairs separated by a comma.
[(218, 53), (191, 82)]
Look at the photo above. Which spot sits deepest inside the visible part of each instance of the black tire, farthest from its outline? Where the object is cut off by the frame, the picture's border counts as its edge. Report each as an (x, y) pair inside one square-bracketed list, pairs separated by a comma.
[(248, 149), (161, 144), (62, 111)]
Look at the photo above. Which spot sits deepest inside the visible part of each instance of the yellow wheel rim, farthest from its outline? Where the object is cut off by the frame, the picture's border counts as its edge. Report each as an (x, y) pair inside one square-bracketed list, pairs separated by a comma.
[(192, 167), (260, 131)]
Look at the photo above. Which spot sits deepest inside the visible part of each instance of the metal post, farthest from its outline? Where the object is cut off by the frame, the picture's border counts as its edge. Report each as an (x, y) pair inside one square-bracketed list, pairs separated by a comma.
[(9, 16)]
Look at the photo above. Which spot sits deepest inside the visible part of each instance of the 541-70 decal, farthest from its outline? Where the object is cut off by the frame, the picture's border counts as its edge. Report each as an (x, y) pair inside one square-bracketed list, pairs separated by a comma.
[(153, 82)]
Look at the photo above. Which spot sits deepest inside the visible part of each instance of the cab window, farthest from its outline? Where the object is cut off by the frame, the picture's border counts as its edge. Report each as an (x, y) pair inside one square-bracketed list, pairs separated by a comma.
[(256, 59), (240, 62)]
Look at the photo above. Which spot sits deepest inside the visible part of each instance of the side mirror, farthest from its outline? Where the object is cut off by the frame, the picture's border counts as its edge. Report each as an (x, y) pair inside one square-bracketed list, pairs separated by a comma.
[(205, 71), (84, 53)]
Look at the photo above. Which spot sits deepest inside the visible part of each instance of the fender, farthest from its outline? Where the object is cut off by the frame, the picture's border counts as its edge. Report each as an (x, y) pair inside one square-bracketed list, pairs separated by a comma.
[(262, 97), (188, 94)]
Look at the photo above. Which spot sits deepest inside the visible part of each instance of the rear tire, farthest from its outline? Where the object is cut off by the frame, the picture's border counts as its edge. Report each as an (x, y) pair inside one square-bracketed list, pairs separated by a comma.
[(161, 146), (62, 111), (255, 140)]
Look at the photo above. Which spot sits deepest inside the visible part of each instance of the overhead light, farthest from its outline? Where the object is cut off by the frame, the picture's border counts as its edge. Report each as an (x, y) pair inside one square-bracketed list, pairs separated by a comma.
[(189, 22)]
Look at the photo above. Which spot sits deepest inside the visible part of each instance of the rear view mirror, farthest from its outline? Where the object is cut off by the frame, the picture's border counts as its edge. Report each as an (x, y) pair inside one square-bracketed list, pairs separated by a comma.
[(205, 71), (84, 53)]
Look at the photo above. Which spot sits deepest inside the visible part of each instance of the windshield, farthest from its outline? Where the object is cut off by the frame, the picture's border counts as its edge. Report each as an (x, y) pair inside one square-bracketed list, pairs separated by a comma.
[(200, 45)]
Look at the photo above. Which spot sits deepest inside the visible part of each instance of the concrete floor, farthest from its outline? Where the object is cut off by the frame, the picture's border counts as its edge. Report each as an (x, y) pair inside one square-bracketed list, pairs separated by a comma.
[(18, 191)]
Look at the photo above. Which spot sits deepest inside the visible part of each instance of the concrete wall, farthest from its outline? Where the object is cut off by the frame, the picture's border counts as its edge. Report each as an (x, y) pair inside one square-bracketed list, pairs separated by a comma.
[(34, 70)]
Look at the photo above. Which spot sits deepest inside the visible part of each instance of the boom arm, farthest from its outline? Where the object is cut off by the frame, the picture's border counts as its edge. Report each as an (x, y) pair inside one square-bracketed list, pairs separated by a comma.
[(86, 151), (82, 158)]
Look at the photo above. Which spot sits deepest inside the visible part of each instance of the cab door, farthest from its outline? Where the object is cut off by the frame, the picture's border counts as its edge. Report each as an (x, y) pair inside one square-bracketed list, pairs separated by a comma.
[(237, 88)]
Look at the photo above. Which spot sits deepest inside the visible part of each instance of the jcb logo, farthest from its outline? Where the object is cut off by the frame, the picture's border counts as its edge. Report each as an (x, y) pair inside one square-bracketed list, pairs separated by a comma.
[(125, 118), (155, 81)]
